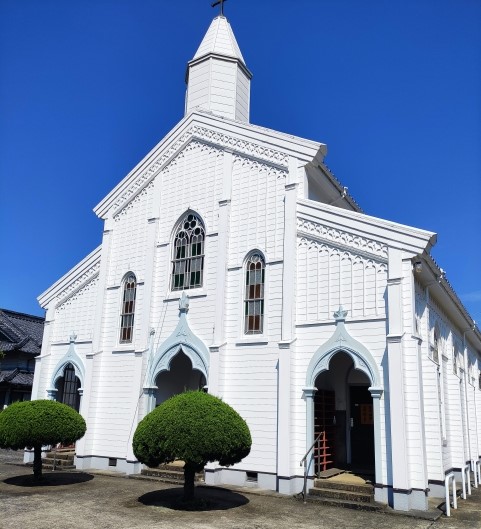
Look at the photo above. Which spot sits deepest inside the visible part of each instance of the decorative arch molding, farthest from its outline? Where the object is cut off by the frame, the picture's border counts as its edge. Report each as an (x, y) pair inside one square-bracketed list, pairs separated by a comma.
[(250, 253), (341, 340), (182, 339), (70, 357), (189, 211)]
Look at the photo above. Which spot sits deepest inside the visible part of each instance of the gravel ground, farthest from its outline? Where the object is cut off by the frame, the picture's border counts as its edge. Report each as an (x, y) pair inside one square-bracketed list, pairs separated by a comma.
[(84, 501)]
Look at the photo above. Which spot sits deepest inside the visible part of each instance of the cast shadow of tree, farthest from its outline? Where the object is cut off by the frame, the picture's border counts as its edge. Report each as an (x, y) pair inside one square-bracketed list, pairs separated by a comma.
[(49, 479), (206, 499)]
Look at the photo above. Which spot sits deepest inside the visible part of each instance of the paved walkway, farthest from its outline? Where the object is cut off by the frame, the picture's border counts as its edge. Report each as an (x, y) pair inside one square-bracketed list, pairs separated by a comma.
[(98, 501)]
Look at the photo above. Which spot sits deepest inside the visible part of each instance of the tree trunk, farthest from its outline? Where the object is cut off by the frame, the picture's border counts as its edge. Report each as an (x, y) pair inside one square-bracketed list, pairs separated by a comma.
[(189, 478), (37, 462)]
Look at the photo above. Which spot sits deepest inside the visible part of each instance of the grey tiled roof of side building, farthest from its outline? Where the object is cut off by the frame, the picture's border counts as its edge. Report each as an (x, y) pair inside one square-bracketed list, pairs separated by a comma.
[(17, 377), (21, 332)]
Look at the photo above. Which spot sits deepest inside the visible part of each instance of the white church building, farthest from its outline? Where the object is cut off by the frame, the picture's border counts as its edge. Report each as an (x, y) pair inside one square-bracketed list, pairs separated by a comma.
[(232, 260)]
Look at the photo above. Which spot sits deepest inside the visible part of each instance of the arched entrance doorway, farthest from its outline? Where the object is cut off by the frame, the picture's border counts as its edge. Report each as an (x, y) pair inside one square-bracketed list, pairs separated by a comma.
[(180, 377), (68, 386), (343, 416), (346, 368)]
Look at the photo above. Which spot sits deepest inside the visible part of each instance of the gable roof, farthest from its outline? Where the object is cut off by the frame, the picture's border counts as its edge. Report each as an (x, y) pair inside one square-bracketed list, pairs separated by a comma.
[(73, 280), (266, 145), (20, 332)]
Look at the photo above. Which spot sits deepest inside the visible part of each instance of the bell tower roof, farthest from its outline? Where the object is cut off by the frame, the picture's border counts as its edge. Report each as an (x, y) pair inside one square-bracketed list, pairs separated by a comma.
[(218, 80), (219, 40)]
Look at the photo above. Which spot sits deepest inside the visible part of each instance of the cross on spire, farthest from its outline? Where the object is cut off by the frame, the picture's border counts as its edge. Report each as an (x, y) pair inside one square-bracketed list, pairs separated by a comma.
[(221, 3)]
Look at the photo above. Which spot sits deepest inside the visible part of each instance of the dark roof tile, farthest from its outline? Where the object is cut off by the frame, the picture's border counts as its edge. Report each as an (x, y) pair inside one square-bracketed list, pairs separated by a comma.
[(20, 331)]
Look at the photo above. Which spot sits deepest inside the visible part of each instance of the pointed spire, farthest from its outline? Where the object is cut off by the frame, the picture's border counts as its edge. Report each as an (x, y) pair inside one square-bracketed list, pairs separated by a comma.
[(218, 79), (220, 40)]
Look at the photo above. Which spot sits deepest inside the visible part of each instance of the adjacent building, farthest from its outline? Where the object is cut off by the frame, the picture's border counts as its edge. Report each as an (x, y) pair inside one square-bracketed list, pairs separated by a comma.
[(20, 342)]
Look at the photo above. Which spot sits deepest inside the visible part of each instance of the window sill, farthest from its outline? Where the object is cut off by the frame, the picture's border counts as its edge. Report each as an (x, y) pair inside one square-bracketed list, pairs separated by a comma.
[(191, 293), (253, 340), (124, 348)]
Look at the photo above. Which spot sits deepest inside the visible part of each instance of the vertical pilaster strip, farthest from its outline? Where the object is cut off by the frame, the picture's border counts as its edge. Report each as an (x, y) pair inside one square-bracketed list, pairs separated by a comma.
[(289, 265), (97, 344), (413, 399), (376, 411), (215, 382), (149, 394), (287, 330), (309, 398), (399, 453), (144, 340)]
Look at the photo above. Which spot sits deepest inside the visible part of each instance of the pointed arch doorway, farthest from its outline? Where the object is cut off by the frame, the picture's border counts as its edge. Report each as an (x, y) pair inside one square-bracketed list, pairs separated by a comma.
[(68, 388), (345, 369), (180, 363), (180, 377), (343, 416)]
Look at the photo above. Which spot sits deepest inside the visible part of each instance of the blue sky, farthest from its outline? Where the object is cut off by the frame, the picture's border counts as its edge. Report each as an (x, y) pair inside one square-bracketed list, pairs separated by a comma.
[(88, 87)]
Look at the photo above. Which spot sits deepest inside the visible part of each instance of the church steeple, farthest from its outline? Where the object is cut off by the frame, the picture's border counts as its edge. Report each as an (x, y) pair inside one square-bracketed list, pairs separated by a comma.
[(217, 78)]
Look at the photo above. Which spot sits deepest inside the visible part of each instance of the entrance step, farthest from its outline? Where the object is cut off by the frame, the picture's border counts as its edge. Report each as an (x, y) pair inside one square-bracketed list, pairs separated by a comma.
[(172, 473), (352, 493), (346, 486), (59, 460)]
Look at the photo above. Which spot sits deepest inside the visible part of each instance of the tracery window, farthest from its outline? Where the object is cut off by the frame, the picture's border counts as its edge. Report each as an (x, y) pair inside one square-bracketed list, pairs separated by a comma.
[(254, 295), (188, 255), (128, 309)]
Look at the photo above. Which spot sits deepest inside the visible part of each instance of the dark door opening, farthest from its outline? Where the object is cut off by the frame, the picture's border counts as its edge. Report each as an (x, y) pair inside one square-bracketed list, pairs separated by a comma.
[(361, 430), (324, 425)]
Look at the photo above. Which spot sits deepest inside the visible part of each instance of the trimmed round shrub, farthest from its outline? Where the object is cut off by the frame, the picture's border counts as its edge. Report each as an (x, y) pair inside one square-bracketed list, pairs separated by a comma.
[(33, 424), (196, 428)]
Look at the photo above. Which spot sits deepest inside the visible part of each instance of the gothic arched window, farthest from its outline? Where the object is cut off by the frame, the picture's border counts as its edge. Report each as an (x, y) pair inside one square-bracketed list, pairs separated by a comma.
[(188, 254), (128, 309), (254, 295)]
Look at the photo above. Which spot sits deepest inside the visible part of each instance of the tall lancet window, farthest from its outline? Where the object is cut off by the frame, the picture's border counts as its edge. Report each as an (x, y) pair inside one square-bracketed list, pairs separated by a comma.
[(188, 255), (128, 309), (254, 295)]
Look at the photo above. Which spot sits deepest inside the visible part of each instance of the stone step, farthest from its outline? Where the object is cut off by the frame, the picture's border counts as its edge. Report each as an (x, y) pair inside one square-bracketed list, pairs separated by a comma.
[(158, 480), (175, 467), (60, 455), (58, 462), (344, 495), (171, 475), (333, 502), (49, 466), (339, 485)]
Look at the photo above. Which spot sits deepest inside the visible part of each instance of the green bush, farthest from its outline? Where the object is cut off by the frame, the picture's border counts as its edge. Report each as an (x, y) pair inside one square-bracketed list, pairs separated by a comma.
[(36, 423), (196, 428)]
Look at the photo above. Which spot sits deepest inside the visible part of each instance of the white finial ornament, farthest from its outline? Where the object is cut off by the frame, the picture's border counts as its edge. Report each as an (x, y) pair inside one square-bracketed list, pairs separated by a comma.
[(184, 302), (340, 314)]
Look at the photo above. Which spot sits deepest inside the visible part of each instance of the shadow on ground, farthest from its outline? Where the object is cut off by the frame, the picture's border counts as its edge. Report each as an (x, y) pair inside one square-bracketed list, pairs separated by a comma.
[(206, 499), (51, 479)]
